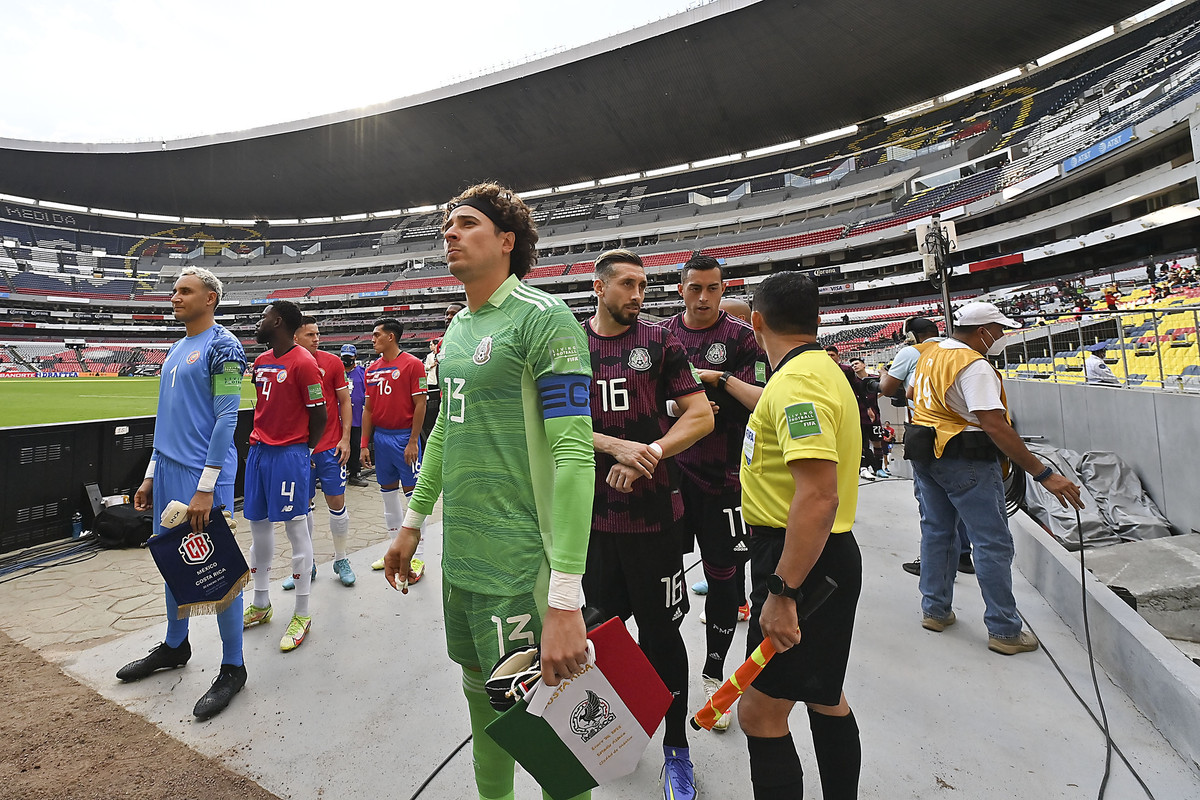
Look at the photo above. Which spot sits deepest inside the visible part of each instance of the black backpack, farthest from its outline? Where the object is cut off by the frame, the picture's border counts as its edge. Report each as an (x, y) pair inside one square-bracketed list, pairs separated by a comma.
[(122, 526)]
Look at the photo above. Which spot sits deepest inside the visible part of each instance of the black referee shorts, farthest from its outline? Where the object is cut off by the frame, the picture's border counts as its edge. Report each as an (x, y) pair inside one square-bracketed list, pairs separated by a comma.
[(813, 671)]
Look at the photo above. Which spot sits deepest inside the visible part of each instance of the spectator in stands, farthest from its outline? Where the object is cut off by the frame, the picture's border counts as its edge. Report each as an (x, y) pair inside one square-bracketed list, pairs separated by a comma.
[(1095, 370), (431, 364), (800, 495), (1151, 269), (1110, 297), (960, 428), (922, 334), (358, 396)]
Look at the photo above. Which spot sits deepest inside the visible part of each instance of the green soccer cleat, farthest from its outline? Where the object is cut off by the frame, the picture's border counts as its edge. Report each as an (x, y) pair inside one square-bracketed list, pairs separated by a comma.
[(253, 615), (297, 629)]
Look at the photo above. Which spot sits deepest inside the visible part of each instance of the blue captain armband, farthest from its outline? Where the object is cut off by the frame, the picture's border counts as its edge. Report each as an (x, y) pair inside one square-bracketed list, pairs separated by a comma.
[(565, 396)]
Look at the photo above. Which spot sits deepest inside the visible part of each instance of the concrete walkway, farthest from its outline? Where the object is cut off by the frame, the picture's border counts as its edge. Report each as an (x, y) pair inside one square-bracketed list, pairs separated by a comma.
[(370, 705)]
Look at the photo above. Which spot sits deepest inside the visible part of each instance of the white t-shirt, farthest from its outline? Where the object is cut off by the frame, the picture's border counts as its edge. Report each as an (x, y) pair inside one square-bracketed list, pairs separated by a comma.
[(977, 388)]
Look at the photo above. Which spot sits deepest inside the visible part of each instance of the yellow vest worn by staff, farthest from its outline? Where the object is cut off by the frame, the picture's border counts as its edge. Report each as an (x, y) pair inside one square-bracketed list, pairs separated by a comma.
[(936, 371)]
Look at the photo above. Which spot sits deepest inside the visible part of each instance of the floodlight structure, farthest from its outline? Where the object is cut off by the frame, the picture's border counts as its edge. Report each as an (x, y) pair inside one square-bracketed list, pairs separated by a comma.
[(935, 242)]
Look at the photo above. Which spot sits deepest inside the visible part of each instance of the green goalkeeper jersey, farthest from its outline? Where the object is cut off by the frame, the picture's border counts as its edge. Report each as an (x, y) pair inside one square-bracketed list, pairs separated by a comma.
[(511, 451)]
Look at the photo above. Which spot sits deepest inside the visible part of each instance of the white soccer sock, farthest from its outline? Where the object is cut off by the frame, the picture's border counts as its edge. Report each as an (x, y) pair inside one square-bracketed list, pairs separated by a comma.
[(297, 533), (393, 508), (339, 526), (262, 551), (310, 523)]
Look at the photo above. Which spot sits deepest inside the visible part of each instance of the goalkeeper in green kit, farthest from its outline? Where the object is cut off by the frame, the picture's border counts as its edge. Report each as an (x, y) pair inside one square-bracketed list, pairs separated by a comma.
[(511, 455)]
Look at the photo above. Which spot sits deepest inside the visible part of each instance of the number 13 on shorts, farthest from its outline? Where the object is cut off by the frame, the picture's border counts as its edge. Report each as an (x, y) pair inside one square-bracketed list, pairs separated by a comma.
[(517, 631)]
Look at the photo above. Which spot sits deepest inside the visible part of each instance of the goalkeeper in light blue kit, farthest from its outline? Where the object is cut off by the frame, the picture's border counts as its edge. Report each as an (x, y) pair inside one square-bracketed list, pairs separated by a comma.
[(195, 462)]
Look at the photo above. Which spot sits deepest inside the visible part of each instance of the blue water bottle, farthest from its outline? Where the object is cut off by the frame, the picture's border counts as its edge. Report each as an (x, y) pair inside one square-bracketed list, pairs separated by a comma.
[(76, 525)]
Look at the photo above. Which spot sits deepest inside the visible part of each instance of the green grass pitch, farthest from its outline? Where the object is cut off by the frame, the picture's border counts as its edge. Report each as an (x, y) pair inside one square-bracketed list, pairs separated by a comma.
[(37, 401)]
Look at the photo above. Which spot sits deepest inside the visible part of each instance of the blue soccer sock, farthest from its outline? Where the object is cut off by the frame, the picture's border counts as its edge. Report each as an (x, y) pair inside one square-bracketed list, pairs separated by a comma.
[(229, 622), (177, 629)]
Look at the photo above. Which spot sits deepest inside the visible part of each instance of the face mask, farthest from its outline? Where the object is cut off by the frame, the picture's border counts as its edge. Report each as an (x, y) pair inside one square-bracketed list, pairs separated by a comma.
[(997, 346)]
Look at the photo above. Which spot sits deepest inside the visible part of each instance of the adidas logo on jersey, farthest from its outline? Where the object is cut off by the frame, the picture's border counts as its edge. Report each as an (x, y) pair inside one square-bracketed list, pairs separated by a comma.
[(678, 614), (740, 547)]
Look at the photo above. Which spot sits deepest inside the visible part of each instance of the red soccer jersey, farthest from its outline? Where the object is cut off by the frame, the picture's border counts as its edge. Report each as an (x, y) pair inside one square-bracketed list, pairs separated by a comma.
[(333, 378), (391, 389), (287, 386)]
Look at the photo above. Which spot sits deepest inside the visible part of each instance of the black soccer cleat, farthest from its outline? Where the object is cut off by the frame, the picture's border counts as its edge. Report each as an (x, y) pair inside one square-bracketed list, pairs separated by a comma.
[(228, 683), (161, 657)]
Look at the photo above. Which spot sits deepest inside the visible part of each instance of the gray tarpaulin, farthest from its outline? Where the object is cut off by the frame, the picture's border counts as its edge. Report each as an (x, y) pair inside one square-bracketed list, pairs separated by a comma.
[(1116, 507)]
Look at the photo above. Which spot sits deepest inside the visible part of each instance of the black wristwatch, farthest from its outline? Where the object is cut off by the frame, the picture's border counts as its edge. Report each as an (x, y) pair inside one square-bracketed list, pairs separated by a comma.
[(721, 381), (776, 585)]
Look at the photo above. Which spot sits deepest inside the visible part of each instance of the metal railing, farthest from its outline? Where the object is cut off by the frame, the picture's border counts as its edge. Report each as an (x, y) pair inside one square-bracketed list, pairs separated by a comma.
[(1149, 348)]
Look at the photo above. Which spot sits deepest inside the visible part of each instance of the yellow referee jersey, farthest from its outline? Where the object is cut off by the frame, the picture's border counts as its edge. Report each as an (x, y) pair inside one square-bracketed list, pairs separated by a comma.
[(807, 410)]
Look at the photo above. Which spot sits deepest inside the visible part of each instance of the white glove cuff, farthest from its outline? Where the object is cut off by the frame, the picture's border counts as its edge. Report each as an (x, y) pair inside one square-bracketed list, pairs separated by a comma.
[(566, 591), (208, 479), (150, 470)]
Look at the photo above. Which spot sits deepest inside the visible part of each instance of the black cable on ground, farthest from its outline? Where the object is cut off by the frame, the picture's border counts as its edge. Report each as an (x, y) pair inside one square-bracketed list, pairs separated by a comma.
[(439, 768), (57, 555), (1102, 722)]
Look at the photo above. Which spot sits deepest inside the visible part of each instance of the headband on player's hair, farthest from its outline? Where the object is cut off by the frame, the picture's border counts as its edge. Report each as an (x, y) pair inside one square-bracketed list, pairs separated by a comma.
[(481, 204)]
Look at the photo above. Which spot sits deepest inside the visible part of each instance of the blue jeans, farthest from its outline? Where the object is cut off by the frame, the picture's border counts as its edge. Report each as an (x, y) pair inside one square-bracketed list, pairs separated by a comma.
[(954, 490), (964, 542)]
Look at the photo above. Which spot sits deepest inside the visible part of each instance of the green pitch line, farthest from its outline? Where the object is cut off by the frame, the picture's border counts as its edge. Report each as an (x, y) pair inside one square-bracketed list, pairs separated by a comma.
[(37, 401)]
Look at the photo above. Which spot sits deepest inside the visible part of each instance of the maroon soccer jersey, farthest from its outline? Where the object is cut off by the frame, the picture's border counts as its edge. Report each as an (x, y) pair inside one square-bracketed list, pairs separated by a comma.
[(287, 386), (391, 387), (727, 346), (633, 376), (333, 378)]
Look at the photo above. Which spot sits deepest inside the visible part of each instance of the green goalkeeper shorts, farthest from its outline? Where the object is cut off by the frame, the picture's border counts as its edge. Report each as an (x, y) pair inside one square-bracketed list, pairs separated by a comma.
[(482, 627)]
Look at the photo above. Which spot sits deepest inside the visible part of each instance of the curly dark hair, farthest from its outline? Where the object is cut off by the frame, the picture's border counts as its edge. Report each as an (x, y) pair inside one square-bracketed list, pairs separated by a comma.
[(516, 218)]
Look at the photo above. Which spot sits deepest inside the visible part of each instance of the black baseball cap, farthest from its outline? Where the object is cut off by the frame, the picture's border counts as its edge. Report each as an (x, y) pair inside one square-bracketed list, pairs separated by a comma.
[(919, 325)]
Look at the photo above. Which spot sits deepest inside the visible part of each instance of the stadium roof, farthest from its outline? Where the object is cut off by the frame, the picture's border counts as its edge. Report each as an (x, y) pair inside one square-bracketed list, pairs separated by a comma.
[(723, 78)]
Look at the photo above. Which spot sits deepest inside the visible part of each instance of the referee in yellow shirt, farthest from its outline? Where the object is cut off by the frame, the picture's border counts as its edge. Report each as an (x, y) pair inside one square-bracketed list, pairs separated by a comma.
[(799, 476)]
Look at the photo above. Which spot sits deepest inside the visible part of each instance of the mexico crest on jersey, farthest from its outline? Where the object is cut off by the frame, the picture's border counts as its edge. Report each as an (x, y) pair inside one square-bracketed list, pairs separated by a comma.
[(639, 359), (716, 353), (483, 352)]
